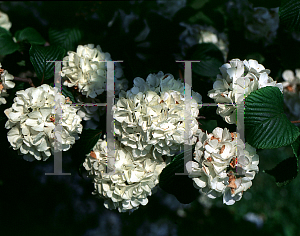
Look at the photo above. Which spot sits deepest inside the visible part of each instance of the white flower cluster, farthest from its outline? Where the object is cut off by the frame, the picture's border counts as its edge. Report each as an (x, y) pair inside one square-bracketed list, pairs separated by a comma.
[(152, 113), (132, 180), (237, 80), (4, 21), (5, 84), (219, 168), (86, 70), (31, 122)]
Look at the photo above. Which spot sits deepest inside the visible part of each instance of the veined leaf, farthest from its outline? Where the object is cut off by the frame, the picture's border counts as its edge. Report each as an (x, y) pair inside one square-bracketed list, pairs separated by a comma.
[(266, 125), (66, 38), (31, 35), (39, 56), (7, 44), (289, 14)]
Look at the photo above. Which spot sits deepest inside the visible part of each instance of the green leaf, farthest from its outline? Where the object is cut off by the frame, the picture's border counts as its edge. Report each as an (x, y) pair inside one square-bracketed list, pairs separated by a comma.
[(211, 59), (7, 44), (295, 146), (66, 38), (39, 56), (83, 146), (208, 125), (181, 186), (67, 93), (266, 125), (31, 35), (289, 14), (285, 171)]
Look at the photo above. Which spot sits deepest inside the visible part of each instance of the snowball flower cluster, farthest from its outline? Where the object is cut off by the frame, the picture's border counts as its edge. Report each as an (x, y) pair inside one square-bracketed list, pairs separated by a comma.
[(4, 21), (236, 81), (151, 114), (131, 182), (86, 70), (31, 121), (219, 168), (5, 83)]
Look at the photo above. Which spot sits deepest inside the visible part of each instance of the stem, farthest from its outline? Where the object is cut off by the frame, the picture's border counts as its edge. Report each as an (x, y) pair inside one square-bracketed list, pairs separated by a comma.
[(201, 117), (295, 121), (26, 80)]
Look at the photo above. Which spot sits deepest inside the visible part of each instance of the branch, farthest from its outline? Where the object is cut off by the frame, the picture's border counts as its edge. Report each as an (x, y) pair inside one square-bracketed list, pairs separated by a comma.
[(295, 121), (26, 80)]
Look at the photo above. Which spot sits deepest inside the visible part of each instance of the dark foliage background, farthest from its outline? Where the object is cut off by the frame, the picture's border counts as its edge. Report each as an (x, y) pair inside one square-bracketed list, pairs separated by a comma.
[(146, 36)]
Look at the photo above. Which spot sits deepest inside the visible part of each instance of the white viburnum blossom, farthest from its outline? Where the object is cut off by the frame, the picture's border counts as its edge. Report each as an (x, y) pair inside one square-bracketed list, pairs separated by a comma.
[(5, 84), (4, 21), (145, 118), (131, 182), (86, 70), (158, 83), (247, 76), (31, 121), (219, 168), (291, 80)]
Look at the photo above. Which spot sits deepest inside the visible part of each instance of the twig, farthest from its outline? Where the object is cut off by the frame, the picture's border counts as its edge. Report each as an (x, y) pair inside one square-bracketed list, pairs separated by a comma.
[(295, 121), (26, 80)]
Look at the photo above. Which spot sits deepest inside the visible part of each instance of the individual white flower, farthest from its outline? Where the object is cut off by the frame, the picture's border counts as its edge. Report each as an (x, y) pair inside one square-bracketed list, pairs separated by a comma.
[(86, 69), (219, 168), (150, 118), (291, 80), (5, 84), (31, 121), (131, 182), (4, 21), (247, 76)]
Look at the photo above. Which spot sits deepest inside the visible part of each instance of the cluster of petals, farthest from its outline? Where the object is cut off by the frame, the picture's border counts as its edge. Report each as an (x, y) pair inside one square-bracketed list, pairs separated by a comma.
[(236, 81), (158, 83), (4, 21), (152, 114), (223, 165), (86, 70), (5, 84), (291, 80), (130, 183), (31, 121)]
